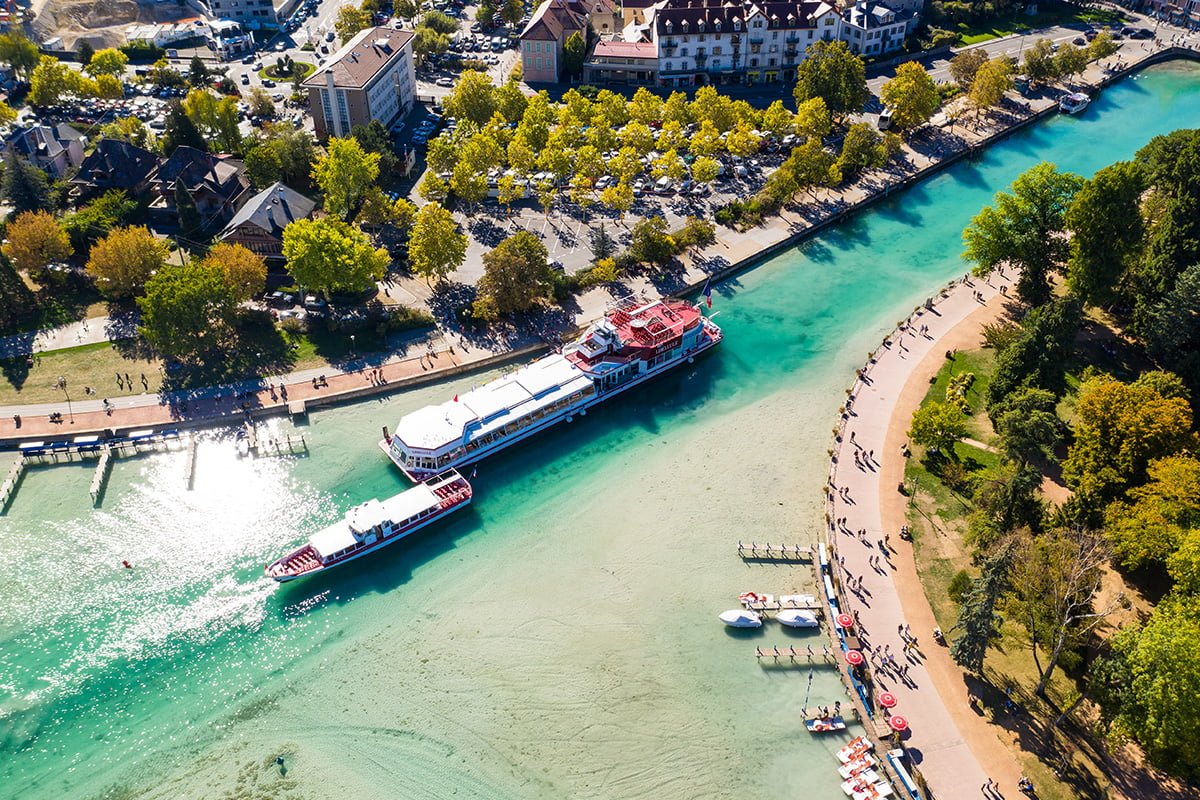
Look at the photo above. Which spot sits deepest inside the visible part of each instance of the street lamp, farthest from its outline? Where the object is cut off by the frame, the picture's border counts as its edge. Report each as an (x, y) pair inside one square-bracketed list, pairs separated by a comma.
[(352, 351), (61, 383)]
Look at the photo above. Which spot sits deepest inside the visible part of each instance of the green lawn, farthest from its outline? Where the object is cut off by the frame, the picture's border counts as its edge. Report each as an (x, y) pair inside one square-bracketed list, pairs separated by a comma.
[(93, 365), (1023, 23)]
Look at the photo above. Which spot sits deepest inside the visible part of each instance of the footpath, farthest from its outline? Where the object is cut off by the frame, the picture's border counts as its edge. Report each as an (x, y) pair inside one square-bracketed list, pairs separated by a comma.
[(953, 750), (451, 355)]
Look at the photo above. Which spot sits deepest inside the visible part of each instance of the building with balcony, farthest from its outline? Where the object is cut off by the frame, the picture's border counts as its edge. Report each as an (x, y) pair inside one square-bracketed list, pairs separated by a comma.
[(371, 77), (872, 28), (619, 62)]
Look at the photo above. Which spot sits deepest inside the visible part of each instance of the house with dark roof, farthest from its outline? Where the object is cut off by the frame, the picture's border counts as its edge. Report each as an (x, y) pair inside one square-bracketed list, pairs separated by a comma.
[(55, 149), (872, 28), (218, 185), (541, 43), (259, 224), (114, 164)]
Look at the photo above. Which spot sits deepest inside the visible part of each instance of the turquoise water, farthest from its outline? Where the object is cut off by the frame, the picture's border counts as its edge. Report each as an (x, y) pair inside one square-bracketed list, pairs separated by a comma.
[(559, 637)]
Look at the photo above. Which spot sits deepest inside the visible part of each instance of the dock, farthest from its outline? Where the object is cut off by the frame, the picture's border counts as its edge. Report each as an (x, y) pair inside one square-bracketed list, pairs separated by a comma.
[(289, 445), (792, 656), (9, 487), (753, 551), (778, 605), (100, 479), (297, 408), (189, 466)]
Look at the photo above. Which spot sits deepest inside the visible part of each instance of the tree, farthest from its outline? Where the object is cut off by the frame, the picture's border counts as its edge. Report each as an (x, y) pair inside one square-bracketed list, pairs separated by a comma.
[(95, 220), (1070, 61), (180, 130), (637, 135), (574, 51), (645, 106), (1155, 680), (669, 165), (938, 426), (602, 245), (432, 187), (442, 23), (812, 118), (912, 95), (109, 87), (106, 62), (696, 233), (187, 311), (428, 42), (978, 622), (473, 98), (50, 80), (1005, 497), (1039, 64), (374, 138), (651, 243), (216, 118), (435, 247), (511, 11), (124, 260), (244, 272), (511, 101), (834, 74), (34, 240), (280, 152), (1158, 516), (810, 165), (992, 80), (344, 173), (742, 141), (260, 103), (1038, 356), (190, 222), (1172, 327), (516, 274), (19, 53), (705, 169), (7, 114), (1055, 578), (1120, 428), (862, 149), (965, 64), (709, 105), (1022, 229), (25, 186), (130, 129), (618, 197), (777, 120), (164, 76), (350, 20), (198, 74), (1102, 46), (1028, 427), (84, 52), (1106, 224), (328, 255)]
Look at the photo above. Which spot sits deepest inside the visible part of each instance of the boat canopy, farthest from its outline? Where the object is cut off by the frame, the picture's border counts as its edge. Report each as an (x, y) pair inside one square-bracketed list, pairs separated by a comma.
[(363, 517), (493, 405)]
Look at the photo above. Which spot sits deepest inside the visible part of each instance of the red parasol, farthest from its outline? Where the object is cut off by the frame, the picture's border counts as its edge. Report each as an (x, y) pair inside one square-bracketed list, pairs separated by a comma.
[(887, 700), (898, 723), (845, 621), (854, 657)]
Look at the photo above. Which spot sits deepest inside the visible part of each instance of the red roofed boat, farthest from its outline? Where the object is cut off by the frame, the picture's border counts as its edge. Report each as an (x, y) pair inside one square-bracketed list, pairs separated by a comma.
[(635, 341)]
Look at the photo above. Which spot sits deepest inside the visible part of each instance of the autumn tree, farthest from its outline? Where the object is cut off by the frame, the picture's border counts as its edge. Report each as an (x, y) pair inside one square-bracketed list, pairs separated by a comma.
[(516, 276), (34, 240), (1023, 229), (328, 255), (1159, 516), (965, 64), (651, 242), (574, 51), (344, 173), (992, 80), (109, 61), (243, 271), (122, 262), (862, 149), (830, 71), (1038, 64), (912, 96), (1119, 429), (19, 53), (350, 20), (436, 248), (473, 98)]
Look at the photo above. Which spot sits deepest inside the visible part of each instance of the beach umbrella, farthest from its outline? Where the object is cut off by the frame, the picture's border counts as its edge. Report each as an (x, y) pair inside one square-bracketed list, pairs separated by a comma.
[(854, 658), (845, 621), (898, 723), (887, 700)]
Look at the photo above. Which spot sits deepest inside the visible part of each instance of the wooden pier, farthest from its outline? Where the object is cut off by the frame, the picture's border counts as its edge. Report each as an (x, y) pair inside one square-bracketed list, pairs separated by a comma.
[(9, 487), (752, 551), (103, 468), (189, 466), (289, 445), (781, 605), (792, 656)]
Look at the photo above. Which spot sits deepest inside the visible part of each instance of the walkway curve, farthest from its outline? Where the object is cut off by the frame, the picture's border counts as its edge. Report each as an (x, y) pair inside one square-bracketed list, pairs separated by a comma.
[(954, 753)]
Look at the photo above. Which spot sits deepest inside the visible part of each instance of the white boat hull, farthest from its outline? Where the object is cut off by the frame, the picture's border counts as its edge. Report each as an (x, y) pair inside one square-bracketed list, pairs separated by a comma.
[(798, 619), (740, 618)]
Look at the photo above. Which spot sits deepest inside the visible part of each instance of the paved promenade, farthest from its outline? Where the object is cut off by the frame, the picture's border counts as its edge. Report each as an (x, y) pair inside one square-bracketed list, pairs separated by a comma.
[(954, 750)]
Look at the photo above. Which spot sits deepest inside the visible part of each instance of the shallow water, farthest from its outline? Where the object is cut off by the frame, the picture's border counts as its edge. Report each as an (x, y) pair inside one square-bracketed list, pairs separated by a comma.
[(556, 639)]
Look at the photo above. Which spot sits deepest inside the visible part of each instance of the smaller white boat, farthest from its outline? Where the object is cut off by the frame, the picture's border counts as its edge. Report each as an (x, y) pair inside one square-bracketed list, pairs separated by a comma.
[(825, 724), (861, 782), (858, 747), (740, 618), (1074, 103), (852, 768), (798, 618)]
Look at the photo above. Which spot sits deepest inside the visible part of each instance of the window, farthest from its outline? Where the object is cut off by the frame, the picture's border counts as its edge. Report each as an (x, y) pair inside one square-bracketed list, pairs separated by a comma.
[(683, 51), (716, 51), (539, 63), (670, 66)]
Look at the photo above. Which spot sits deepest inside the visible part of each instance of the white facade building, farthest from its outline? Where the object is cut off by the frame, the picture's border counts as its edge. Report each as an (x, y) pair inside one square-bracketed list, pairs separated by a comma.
[(871, 28)]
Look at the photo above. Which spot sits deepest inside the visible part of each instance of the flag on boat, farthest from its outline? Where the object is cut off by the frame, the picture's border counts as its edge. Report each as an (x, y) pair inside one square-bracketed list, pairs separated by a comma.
[(474, 471), (708, 291), (456, 398)]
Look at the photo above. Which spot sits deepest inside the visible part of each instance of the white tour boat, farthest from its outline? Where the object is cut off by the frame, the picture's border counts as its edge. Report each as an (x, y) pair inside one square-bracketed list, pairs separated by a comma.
[(1074, 103), (740, 618), (634, 342), (373, 525)]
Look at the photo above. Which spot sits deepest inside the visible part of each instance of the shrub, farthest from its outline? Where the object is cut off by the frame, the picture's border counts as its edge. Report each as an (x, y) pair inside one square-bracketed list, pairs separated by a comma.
[(404, 318), (960, 584)]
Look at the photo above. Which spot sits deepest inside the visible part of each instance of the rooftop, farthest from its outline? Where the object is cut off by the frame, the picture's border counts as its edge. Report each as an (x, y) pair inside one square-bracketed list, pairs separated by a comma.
[(362, 58), (366, 515), (273, 209), (613, 48)]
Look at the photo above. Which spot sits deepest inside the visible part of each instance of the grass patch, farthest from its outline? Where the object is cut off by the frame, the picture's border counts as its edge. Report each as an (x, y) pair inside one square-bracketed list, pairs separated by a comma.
[(301, 68), (974, 33), (94, 365)]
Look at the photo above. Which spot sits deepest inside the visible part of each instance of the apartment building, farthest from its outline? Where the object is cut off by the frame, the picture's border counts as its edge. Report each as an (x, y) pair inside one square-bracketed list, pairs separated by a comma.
[(872, 28), (541, 43), (371, 77)]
